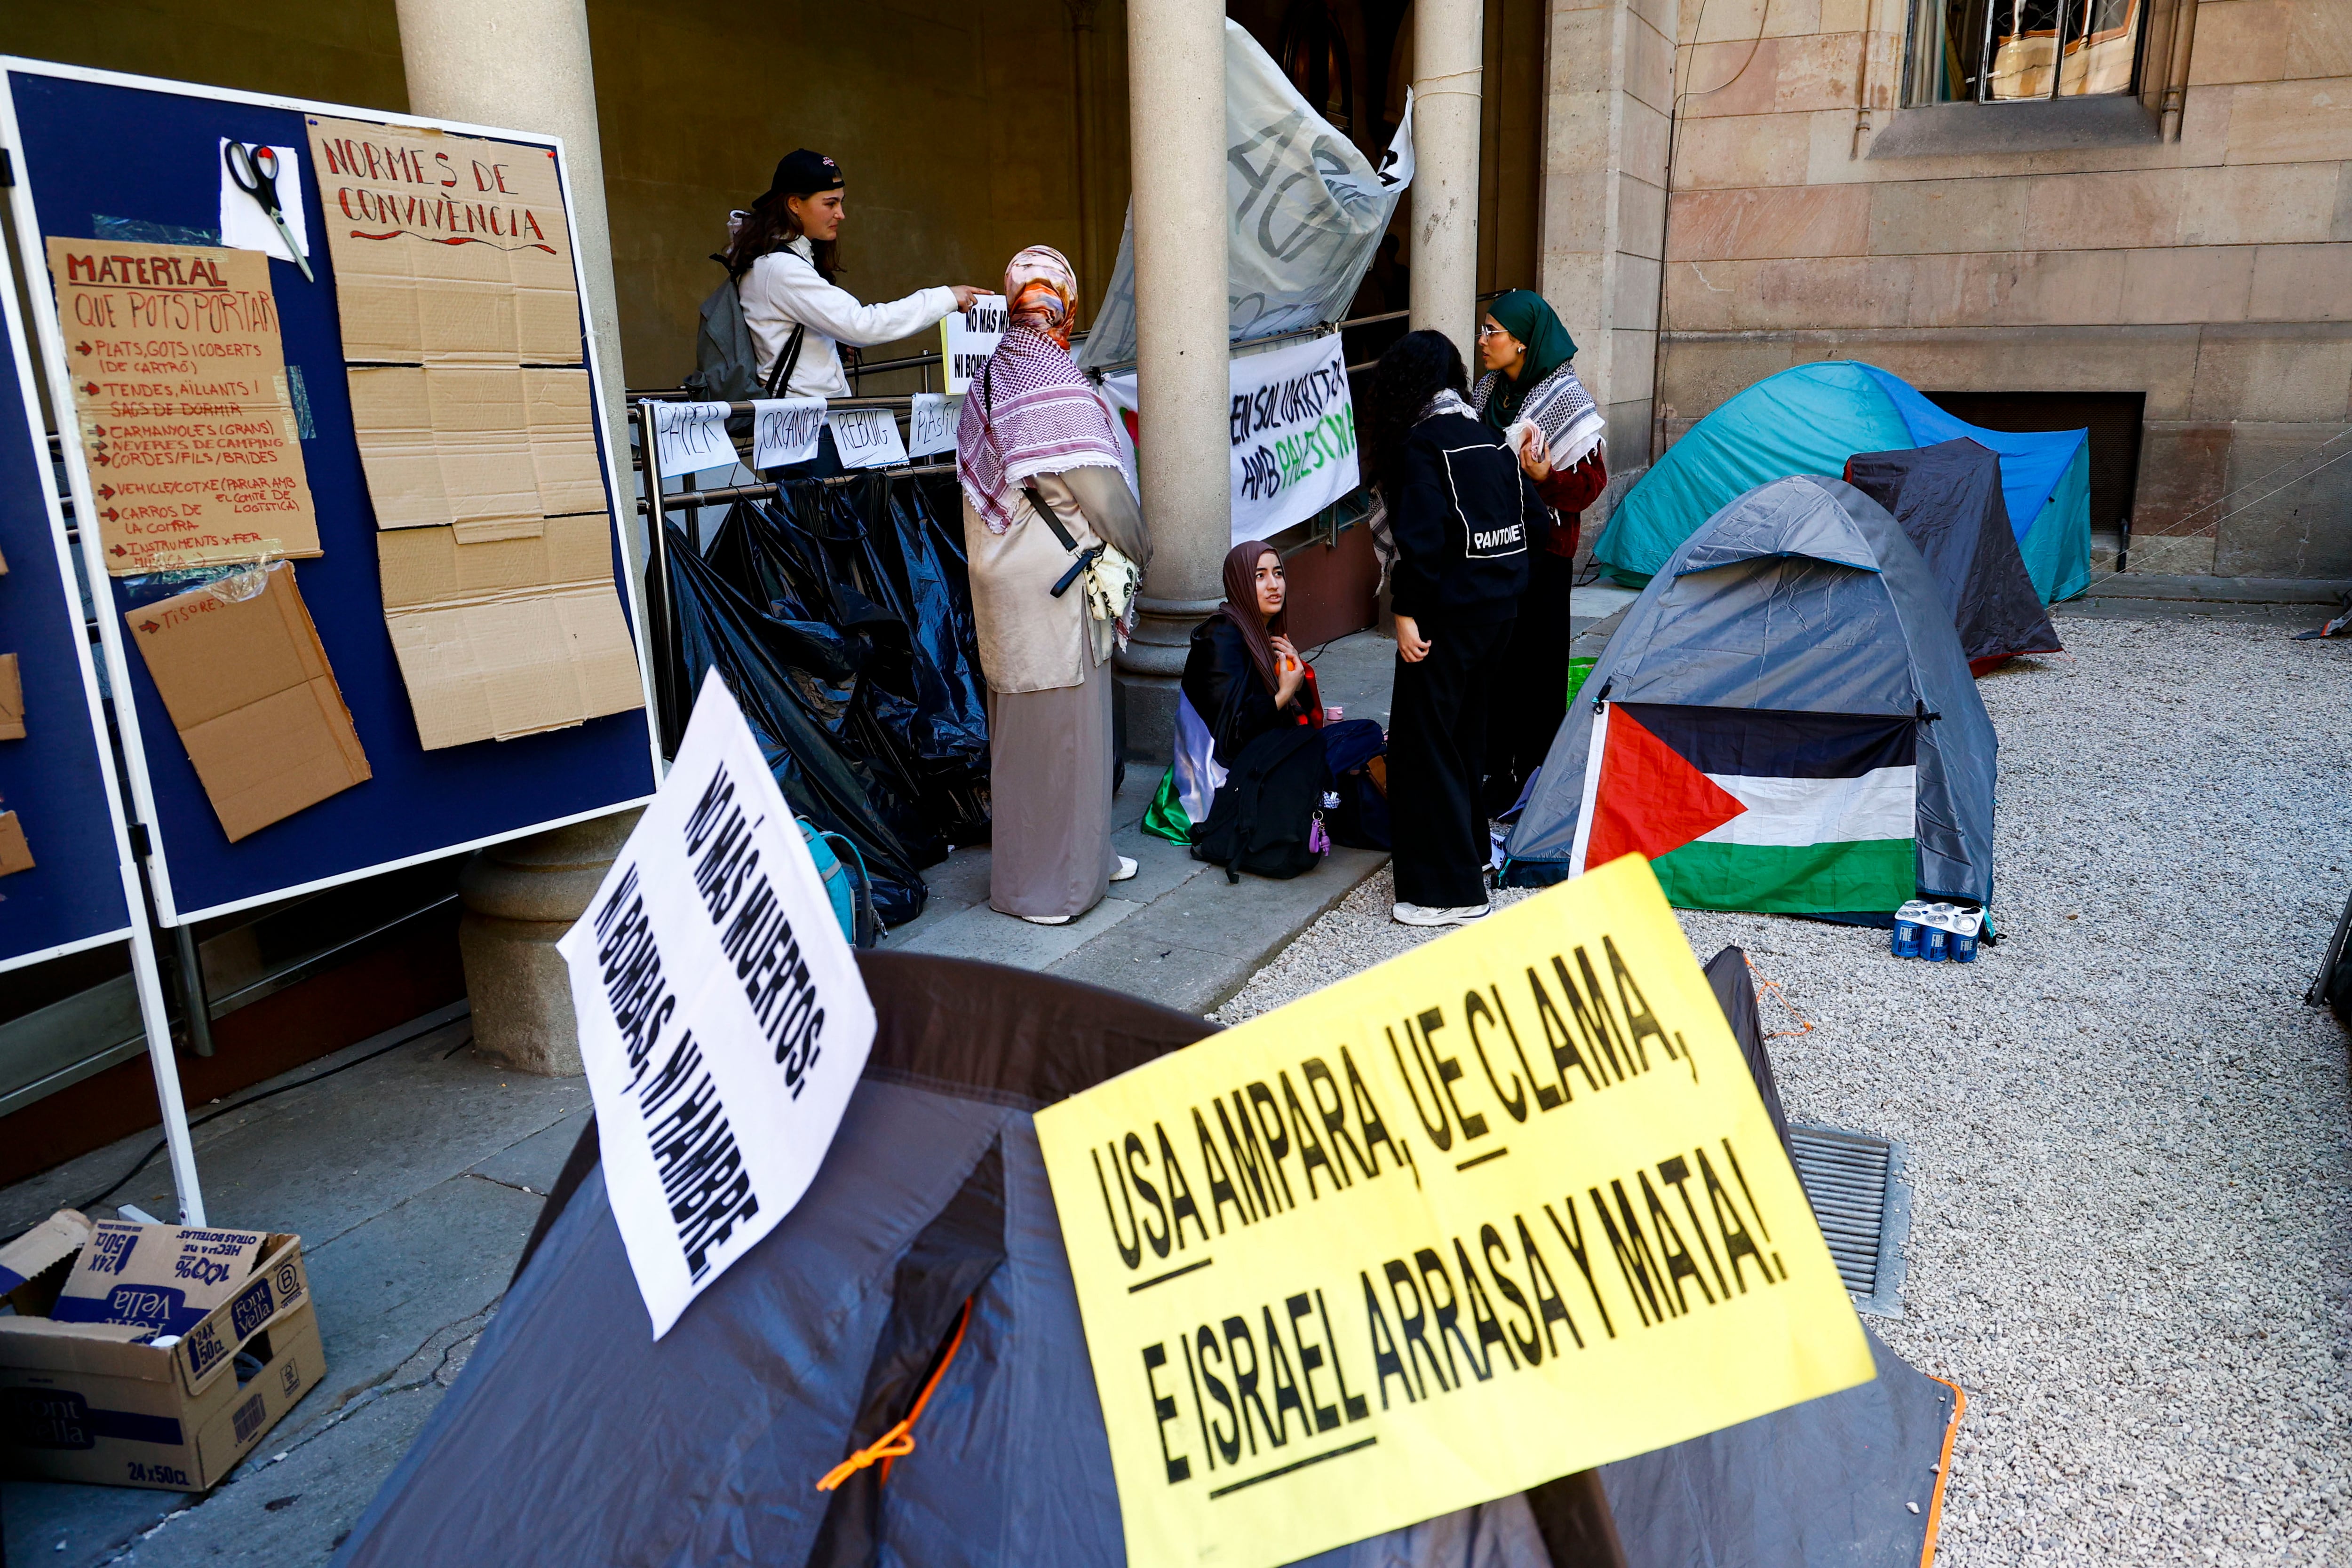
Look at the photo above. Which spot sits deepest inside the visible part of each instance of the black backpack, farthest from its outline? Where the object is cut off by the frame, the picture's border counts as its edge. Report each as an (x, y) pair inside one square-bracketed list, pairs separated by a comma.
[(1263, 814)]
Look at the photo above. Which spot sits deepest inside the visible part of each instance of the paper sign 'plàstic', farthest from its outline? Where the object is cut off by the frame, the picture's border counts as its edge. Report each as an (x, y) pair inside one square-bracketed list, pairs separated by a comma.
[(1502, 1209)]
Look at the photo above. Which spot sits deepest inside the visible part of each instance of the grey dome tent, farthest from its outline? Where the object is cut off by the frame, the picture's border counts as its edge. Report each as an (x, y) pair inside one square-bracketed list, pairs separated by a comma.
[(573, 1438), (1948, 499), (1800, 606)]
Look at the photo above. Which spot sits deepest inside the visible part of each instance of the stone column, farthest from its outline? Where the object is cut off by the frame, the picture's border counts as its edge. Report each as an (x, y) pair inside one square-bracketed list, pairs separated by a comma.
[(1176, 97), (1448, 76), (524, 65), (1610, 84)]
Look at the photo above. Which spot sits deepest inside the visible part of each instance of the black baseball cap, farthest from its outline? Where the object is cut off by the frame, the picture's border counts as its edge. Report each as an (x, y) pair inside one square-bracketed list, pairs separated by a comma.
[(801, 173)]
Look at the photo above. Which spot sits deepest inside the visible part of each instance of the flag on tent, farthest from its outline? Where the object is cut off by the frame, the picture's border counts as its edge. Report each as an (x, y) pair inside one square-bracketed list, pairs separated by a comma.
[(1800, 813)]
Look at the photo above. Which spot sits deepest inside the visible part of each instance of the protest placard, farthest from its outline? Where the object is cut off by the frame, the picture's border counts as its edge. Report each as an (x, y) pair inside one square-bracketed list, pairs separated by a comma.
[(785, 429), (967, 338), (722, 1020), (1502, 1209)]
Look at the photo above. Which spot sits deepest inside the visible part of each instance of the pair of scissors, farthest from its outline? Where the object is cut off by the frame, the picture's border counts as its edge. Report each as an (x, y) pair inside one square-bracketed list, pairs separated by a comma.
[(255, 170)]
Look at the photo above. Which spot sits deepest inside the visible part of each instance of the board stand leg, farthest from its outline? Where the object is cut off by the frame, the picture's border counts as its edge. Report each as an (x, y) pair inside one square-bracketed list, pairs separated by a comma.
[(157, 1018)]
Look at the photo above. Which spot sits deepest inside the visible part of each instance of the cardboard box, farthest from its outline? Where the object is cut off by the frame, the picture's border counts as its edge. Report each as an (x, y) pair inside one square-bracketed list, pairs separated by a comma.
[(250, 690), (493, 452), (457, 251), (16, 855), (508, 637), (12, 699), (181, 404), (92, 1402), (33, 1266), (165, 1278)]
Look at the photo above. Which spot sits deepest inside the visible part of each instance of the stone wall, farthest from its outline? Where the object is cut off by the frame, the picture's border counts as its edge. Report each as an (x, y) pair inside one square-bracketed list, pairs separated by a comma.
[(2075, 250)]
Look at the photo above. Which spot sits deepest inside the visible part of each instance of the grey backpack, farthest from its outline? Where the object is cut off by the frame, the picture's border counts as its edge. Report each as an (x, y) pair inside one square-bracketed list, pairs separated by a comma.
[(726, 360)]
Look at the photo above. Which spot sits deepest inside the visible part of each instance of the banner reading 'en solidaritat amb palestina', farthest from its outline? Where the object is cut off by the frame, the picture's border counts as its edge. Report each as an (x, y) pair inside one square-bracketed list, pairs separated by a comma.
[(1502, 1209)]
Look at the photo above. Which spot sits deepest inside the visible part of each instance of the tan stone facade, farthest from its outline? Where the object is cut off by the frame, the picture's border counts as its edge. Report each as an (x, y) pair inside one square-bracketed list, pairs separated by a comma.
[(2063, 250)]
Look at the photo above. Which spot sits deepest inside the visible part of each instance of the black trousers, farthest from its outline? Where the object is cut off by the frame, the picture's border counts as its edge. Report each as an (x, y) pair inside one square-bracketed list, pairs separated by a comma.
[(1532, 694), (1437, 749)]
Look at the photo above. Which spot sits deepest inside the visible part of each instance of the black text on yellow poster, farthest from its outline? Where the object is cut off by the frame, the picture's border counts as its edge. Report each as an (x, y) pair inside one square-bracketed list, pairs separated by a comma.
[(1504, 1208)]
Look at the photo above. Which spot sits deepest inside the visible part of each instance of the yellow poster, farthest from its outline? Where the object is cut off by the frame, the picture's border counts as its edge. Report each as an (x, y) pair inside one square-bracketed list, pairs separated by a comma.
[(1502, 1209)]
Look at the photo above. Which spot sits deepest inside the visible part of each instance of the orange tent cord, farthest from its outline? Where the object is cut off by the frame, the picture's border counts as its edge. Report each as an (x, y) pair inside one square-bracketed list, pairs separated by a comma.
[(1804, 1024), (899, 1441), (1943, 1468)]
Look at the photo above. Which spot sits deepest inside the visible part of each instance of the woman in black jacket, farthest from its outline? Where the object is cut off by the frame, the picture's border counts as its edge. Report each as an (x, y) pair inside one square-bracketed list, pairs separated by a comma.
[(1460, 518), (1242, 675)]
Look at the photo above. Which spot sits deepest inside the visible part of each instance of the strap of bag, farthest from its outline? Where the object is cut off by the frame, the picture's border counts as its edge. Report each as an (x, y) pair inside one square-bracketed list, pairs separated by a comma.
[(1037, 501), (786, 362)]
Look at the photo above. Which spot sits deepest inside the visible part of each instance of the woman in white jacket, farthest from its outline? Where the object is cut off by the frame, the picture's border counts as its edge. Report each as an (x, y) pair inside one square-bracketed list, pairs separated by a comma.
[(782, 263)]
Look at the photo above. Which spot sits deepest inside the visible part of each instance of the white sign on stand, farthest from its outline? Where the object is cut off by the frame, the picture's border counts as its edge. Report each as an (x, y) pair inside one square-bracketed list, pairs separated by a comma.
[(722, 1020), (690, 437), (967, 338), (785, 429), (932, 426), (866, 437)]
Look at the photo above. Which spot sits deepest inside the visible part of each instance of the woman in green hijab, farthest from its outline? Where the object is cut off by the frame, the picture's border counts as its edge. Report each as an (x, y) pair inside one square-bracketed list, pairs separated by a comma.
[(1532, 397)]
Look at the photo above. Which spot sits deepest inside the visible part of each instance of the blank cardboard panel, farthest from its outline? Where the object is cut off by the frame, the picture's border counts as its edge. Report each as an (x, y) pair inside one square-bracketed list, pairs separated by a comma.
[(489, 451), (12, 699), (449, 250), (249, 689), (507, 637), (15, 854)]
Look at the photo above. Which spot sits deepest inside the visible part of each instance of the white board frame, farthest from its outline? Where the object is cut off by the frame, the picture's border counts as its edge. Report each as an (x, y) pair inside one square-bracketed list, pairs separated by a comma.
[(59, 379)]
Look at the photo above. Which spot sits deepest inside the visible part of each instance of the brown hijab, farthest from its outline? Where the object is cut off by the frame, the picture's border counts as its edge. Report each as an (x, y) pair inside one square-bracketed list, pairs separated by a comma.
[(1241, 607)]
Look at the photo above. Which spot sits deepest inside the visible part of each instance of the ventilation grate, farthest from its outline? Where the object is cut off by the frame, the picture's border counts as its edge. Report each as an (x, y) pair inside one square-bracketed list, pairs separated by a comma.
[(1862, 1200)]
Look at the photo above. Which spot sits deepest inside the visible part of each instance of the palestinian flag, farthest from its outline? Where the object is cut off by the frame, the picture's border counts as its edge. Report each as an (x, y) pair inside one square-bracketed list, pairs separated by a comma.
[(1796, 813)]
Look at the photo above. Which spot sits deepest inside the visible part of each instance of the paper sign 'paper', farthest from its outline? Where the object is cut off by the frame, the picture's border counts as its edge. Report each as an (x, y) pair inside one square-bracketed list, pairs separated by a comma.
[(722, 1020), (1505, 1208)]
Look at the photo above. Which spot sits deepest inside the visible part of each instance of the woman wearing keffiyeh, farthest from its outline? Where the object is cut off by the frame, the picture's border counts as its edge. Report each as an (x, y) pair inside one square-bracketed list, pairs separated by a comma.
[(1032, 434)]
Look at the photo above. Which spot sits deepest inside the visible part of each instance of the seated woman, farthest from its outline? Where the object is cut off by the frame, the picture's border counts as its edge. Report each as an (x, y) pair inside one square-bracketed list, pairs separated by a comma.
[(1562, 447), (1242, 675)]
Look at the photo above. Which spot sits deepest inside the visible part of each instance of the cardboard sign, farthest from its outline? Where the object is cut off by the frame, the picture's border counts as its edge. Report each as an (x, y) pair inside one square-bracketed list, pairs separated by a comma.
[(243, 222), (160, 1278), (449, 250), (12, 699), (865, 437), (1502, 1209), (967, 338), (493, 451), (181, 399), (506, 636), (932, 426), (1292, 434), (690, 437), (785, 429), (16, 855), (240, 669), (722, 1020)]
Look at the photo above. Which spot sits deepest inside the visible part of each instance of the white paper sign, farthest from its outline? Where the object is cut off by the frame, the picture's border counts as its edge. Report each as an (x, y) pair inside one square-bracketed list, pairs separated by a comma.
[(243, 226), (690, 437), (866, 437), (932, 426), (784, 429), (967, 338), (722, 1020), (1292, 430)]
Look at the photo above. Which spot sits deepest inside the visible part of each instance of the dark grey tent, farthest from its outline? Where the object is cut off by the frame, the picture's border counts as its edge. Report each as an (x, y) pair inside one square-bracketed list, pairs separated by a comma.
[(574, 1438), (1948, 499), (1803, 596)]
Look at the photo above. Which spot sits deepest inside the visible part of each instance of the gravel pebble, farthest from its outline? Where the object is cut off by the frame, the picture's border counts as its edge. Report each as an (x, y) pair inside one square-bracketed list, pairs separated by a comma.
[(2128, 1142)]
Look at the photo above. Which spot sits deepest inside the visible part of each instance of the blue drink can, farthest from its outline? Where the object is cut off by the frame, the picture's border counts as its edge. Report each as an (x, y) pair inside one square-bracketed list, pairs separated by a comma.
[(1937, 944), (1964, 940), (1907, 934)]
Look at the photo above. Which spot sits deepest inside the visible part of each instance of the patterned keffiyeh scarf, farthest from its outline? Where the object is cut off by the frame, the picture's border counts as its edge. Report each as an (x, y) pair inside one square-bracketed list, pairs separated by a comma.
[(1560, 407), (1030, 410)]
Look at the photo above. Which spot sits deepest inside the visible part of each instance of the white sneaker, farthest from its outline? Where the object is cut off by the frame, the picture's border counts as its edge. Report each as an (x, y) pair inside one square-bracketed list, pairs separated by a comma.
[(1426, 915), (1126, 871), (1049, 919)]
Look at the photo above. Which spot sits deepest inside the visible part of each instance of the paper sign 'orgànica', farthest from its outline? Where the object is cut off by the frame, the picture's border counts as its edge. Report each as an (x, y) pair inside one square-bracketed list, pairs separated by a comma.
[(1502, 1209)]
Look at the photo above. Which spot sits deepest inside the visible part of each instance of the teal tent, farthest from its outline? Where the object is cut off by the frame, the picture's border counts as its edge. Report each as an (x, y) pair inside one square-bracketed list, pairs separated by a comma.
[(1810, 420)]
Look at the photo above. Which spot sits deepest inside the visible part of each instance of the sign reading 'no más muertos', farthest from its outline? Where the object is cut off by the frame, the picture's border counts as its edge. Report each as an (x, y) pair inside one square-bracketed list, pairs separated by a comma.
[(449, 250), (1502, 1209)]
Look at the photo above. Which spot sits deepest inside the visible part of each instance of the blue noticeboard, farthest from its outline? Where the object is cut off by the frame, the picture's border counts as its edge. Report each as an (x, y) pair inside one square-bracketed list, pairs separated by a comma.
[(58, 779), (111, 157)]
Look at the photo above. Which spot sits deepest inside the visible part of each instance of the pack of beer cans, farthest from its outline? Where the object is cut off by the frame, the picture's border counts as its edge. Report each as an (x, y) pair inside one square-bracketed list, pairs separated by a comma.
[(1938, 933)]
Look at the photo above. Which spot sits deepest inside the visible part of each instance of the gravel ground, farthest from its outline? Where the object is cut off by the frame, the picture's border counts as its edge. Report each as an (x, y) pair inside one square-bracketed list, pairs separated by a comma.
[(2128, 1140)]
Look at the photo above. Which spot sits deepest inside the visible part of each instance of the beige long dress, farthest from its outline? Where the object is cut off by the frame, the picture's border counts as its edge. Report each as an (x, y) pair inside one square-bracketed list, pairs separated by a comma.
[(1049, 694)]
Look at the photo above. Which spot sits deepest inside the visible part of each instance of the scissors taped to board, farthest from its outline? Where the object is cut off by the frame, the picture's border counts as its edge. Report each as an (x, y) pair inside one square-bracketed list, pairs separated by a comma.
[(255, 170)]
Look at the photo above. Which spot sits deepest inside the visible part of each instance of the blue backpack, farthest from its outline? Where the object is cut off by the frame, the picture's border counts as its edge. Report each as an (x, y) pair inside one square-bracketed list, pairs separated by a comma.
[(851, 892)]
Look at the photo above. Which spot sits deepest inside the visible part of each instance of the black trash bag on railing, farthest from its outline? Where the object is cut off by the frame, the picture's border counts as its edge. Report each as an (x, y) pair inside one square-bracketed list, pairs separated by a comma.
[(823, 780), (952, 705)]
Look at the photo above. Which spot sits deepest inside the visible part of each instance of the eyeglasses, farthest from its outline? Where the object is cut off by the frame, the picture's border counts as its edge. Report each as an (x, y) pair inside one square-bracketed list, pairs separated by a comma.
[(1490, 330)]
